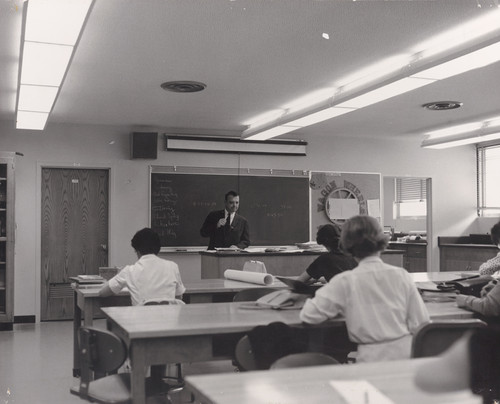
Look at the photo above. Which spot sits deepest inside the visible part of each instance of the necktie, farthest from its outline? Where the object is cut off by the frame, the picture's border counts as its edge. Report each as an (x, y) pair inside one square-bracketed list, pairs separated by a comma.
[(228, 221)]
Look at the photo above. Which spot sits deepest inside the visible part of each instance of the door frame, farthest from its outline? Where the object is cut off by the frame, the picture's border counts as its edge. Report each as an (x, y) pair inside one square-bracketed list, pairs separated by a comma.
[(38, 207)]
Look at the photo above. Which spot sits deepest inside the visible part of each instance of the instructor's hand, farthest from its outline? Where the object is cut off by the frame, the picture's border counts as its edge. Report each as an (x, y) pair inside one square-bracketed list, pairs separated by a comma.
[(221, 222)]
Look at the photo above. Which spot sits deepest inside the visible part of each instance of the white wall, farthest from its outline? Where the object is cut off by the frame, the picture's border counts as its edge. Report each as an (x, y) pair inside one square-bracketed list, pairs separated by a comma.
[(452, 171)]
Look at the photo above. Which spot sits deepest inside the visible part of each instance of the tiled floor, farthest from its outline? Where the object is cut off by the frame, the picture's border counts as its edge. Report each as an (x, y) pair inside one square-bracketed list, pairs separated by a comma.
[(36, 365)]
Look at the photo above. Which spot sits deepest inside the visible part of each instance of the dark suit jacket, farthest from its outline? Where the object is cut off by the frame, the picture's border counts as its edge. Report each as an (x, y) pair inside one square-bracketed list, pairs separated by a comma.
[(238, 233)]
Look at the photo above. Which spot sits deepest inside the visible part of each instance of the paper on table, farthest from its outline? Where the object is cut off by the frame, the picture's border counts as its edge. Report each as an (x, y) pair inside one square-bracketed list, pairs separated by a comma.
[(251, 277), (359, 392)]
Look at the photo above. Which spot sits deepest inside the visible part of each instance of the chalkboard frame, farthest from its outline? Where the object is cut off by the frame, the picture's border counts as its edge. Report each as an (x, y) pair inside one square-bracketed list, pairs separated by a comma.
[(298, 177)]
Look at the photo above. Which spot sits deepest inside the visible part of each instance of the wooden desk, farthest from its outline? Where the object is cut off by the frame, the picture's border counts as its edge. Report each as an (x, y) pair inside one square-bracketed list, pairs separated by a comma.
[(175, 334), (214, 263), (88, 304), (311, 385)]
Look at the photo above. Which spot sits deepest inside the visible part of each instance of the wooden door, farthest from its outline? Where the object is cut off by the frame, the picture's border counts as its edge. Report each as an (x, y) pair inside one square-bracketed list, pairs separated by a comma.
[(74, 234)]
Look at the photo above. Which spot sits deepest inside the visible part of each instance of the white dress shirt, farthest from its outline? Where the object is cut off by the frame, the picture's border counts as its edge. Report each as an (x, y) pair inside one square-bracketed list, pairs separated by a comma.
[(150, 278), (381, 306)]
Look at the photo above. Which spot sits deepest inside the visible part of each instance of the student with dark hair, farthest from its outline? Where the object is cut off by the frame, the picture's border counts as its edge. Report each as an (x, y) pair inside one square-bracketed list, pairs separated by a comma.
[(333, 262), (225, 227), (380, 302), (151, 278), (492, 265)]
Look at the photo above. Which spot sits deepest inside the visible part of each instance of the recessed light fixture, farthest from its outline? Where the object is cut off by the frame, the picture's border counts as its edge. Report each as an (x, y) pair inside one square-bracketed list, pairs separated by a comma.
[(442, 105), (183, 86)]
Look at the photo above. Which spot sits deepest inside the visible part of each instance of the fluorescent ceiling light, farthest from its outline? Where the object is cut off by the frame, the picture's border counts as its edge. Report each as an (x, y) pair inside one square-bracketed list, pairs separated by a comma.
[(52, 29), (55, 21), (455, 130), (36, 98), (385, 92), (31, 120), (310, 99), (373, 72), (44, 64), (320, 116), (444, 143), (474, 60), (273, 132)]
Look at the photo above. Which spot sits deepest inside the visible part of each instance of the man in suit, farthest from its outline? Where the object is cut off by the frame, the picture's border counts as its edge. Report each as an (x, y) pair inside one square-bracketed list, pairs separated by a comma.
[(225, 227)]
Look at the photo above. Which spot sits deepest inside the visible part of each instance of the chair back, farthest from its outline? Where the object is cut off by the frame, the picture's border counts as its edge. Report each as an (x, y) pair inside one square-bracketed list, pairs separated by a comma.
[(435, 337), (101, 352), (304, 359), (243, 353), (251, 294)]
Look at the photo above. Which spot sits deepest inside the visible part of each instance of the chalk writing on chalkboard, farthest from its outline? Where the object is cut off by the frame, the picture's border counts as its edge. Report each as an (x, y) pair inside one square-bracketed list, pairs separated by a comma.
[(276, 207)]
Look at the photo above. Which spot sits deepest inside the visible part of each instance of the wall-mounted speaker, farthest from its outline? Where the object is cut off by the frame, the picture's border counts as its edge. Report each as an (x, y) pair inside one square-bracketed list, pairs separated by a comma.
[(144, 145)]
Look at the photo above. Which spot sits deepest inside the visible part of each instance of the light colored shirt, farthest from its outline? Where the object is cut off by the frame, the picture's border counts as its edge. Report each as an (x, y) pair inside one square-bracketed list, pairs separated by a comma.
[(381, 306), (491, 266), (150, 278)]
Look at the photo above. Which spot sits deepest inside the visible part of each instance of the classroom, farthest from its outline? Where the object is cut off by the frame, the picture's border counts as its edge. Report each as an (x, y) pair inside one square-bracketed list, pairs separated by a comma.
[(248, 63)]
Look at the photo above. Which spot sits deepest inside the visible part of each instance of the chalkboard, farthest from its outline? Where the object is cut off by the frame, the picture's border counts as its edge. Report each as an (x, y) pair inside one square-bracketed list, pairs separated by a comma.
[(276, 207)]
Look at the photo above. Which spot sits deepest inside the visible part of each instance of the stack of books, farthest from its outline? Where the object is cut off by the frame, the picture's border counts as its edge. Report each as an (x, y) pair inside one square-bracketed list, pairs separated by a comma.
[(84, 280)]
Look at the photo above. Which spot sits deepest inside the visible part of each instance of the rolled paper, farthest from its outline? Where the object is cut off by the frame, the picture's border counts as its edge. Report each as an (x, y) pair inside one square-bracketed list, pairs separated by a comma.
[(251, 277)]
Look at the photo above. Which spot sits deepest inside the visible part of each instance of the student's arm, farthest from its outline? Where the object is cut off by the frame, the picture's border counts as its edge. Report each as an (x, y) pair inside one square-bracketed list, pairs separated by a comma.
[(304, 277), (417, 313), (326, 304), (488, 305), (105, 290)]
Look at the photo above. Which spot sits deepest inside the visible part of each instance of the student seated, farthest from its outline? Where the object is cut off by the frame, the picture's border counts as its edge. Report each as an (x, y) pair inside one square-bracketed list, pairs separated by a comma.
[(492, 265), (488, 304), (472, 362), (329, 264), (151, 278), (380, 303)]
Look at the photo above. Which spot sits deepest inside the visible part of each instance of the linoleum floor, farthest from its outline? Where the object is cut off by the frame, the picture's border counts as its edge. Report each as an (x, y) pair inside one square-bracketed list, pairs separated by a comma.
[(36, 362)]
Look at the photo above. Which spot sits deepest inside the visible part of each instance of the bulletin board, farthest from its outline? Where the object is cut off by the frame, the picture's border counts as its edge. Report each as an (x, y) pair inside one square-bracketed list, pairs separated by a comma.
[(336, 196)]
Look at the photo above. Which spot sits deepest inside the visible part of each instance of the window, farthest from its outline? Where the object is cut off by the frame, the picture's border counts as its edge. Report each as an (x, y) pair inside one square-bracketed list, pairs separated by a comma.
[(488, 180), (411, 198)]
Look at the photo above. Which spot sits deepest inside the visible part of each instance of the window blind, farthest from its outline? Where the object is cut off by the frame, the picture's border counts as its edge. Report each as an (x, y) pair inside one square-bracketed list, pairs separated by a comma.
[(487, 179), (410, 189)]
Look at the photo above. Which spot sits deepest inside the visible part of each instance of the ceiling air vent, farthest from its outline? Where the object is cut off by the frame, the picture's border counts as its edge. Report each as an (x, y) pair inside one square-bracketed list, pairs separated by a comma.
[(442, 105), (183, 86)]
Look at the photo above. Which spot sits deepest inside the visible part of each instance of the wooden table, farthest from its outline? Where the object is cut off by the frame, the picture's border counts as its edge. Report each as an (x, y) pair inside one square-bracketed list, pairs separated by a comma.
[(290, 263), (312, 385), (88, 304), (175, 334)]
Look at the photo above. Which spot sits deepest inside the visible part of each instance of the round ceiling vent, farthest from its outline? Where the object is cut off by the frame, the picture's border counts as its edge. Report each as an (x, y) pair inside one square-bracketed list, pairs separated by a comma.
[(183, 86), (442, 105)]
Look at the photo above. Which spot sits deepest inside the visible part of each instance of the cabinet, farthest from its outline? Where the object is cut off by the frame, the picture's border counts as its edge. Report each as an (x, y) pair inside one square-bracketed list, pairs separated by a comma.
[(458, 254), (7, 230), (415, 255)]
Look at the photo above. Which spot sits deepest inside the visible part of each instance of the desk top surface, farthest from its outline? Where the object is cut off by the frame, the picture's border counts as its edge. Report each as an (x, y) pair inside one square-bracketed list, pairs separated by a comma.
[(311, 385), (221, 318), (225, 285)]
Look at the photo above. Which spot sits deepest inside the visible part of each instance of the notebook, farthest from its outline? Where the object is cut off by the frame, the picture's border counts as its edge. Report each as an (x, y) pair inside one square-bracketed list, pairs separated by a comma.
[(298, 286)]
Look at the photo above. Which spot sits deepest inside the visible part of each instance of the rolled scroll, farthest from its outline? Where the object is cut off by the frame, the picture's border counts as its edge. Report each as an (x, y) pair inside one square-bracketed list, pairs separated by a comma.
[(251, 277)]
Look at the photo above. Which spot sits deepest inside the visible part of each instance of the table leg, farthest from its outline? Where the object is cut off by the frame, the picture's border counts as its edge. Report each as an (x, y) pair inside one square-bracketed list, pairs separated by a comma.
[(77, 319), (138, 373)]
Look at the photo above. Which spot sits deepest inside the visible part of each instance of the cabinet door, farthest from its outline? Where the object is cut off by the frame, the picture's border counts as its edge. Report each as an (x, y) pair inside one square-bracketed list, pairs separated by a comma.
[(417, 258), (461, 258)]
